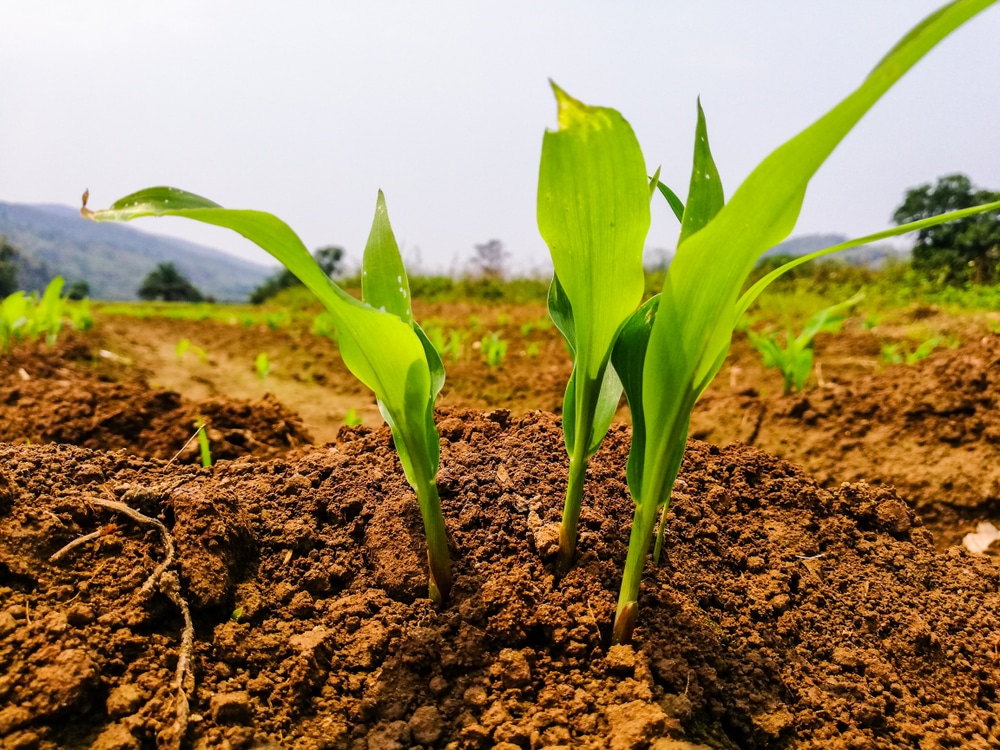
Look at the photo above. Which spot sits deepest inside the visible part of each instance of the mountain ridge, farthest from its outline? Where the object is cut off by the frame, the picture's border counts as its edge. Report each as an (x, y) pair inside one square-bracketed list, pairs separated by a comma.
[(114, 259)]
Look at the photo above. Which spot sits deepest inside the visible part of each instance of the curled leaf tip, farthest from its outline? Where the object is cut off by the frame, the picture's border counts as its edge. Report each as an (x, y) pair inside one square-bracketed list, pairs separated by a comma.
[(571, 111), (84, 211)]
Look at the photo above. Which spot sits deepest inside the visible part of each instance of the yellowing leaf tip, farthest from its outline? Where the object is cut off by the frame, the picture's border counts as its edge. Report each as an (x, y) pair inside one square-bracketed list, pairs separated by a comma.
[(571, 111)]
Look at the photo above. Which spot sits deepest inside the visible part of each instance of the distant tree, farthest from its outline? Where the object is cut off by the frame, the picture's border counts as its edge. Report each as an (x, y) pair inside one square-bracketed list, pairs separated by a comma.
[(961, 251), (8, 268), (329, 258), (78, 290), (491, 260), (166, 283)]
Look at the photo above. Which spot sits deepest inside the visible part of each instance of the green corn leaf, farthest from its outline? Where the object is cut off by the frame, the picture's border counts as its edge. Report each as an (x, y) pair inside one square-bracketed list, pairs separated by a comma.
[(827, 320), (399, 351), (561, 312), (628, 358), (384, 284), (675, 203), (593, 213), (694, 324), (751, 294), (705, 195)]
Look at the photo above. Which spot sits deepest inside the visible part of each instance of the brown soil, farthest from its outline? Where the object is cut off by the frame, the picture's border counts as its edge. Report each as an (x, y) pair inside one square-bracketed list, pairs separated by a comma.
[(791, 611), (783, 615), (930, 429), (68, 395)]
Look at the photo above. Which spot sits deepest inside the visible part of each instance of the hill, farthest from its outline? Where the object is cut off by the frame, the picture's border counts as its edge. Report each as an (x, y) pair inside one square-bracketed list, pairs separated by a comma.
[(864, 255), (114, 259)]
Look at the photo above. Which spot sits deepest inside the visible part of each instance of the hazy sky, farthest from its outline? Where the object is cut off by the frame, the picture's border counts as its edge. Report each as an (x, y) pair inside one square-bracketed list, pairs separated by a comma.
[(306, 109)]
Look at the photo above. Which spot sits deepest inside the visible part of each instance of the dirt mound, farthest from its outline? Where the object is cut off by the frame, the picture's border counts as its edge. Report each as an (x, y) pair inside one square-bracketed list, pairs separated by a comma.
[(68, 395), (784, 615), (931, 429)]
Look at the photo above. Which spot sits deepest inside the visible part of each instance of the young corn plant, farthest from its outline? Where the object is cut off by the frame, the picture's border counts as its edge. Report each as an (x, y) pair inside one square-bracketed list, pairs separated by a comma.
[(262, 365), (379, 340), (494, 349), (204, 450), (593, 213), (27, 317), (795, 358), (670, 349), (901, 353)]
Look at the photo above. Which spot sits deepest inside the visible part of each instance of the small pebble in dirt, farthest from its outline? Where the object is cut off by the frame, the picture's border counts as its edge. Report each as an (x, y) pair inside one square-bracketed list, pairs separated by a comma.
[(438, 685), (547, 540), (80, 614), (392, 736), (893, 516), (621, 660), (634, 724), (301, 604), (7, 624), (475, 696), (516, 672), (230, 708), (426, 725), (123, 700)]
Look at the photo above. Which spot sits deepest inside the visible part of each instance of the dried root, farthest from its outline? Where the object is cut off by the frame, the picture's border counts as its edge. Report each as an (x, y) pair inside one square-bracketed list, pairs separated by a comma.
[(166, 580)]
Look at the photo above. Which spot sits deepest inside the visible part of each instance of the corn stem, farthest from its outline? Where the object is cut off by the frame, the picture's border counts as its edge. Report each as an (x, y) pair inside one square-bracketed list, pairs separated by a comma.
[(568, 528), (662, 479), (438, 557)]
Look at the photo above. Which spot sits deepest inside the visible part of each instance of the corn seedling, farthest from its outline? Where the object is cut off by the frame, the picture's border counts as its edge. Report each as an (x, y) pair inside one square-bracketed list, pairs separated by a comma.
[(795, 358), (27, 317), (435, 334), (871, 320), (277, 320), (531, 350), (494, 349), (593, 213), (450, 348), (900, 353), (203, 448), (351, 418), (185, 345), (263, 366), (323, 326), (379, 340), (13, 319)]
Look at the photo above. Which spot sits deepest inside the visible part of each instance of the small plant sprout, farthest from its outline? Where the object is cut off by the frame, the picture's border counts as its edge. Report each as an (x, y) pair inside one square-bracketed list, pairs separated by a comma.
[(203, 448), (351, 418), (263, 366), (493, 349), (379, 340), (900, 353), (27, 317), (593, 214), (795, 359), (324, 327), (185, 345)]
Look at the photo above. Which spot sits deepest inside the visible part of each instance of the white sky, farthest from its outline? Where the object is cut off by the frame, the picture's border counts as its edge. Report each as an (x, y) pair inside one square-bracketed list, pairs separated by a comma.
[(306, 109)]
